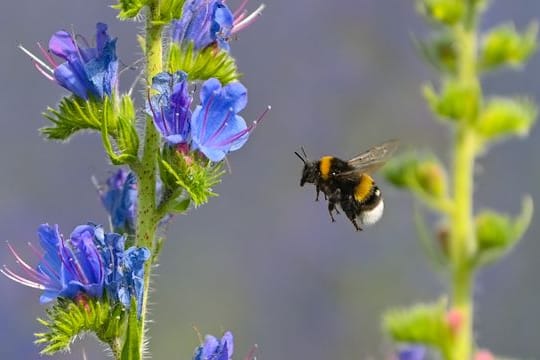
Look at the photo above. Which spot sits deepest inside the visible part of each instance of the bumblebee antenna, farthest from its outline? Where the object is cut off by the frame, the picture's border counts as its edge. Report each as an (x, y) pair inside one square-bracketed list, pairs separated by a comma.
[(304, 152), (303, 158)]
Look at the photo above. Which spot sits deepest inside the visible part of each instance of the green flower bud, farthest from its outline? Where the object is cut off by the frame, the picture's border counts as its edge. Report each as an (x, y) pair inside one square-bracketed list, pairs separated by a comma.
[(421, 324), (431, 178), (497, 234), (447, 12), (456, 101), (502, 117), (440, 51), (505, 46)]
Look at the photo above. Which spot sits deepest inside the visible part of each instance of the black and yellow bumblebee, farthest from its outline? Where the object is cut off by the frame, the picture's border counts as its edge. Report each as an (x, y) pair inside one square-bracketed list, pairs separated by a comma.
[(348, 183)]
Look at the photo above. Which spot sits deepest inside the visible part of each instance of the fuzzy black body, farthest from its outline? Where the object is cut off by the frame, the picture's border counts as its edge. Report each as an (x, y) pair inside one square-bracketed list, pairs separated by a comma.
[(360, 199), (347, 184), (323, 173)]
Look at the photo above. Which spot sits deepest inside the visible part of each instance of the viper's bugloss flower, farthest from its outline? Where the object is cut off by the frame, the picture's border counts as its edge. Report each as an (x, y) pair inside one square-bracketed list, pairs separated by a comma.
[(203, 22), (214, 349), (216, 129), (170, 106), (120, 200), (411, 352), (86, 71), (209, 22), (67, 268), (90, 263)]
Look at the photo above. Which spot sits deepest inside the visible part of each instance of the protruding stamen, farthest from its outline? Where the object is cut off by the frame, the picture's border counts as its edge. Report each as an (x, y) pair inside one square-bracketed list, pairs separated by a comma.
[(248, 20), (36, 59), (240, 8), (11, 275)]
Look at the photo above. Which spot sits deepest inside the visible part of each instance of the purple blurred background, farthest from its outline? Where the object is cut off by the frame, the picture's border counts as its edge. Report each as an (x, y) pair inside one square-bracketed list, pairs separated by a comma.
[(263, 259)]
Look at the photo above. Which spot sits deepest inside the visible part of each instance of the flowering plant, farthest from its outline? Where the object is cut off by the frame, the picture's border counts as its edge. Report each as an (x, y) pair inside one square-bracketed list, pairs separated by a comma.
[(97, 280)]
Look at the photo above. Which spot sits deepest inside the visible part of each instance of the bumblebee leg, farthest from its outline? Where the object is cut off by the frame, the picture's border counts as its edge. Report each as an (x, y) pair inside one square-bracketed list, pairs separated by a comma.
[(349, 210), (333, 199), (318, 189), (331, 208)]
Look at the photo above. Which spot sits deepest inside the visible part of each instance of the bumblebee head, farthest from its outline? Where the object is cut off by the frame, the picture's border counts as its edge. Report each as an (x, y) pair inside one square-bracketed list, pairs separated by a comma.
[(310, 171)]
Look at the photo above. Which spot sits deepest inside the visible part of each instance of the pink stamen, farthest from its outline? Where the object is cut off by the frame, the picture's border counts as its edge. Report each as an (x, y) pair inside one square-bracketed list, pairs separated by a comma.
[(239, 18), (11, 275), (245, 22), (43, 71), (250, 128), (20, 261), (240, 8), (40, 255), (47, 55)]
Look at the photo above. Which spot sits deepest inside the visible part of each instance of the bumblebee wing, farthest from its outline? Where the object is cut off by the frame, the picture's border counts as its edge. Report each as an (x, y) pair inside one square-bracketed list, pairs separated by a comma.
[(371, 160), (376, 155)]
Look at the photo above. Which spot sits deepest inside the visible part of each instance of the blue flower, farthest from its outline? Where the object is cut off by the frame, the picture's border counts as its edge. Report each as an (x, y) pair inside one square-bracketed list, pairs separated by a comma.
[(411, 352), (211, 22), (170, 106), (214, 349), (91, 263), (67, 268), (216, 129), (86, 71), (120, 200), (204, 22), (133, 276)]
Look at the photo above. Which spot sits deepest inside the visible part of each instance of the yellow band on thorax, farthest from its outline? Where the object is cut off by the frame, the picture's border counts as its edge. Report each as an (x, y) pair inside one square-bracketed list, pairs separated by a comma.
[(324, 166)]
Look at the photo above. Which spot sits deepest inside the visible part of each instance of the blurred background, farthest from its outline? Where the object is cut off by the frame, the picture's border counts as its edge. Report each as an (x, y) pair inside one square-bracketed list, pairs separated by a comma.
[(263, 259)]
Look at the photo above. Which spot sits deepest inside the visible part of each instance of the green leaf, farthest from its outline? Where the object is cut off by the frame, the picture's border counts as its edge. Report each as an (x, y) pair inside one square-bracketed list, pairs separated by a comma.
[(447, 12), (67, 319), (207, 63), (179, 205), (497, 234), (423, 324), (127, 155), (502, 117), (197, 176), (170, 10), (132, 347), (456, 101), (73, 114), (122, 122), (505, 46), (129, 9)]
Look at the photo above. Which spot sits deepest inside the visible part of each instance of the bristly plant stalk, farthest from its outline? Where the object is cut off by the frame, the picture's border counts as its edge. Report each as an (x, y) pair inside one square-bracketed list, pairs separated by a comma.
[(463, 242), (147, 219)]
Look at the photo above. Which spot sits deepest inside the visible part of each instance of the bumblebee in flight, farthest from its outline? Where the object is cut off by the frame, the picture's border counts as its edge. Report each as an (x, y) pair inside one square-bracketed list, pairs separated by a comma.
[(348, 183)]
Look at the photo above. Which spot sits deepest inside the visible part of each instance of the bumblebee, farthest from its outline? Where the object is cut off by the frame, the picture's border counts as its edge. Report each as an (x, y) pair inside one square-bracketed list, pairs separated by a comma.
[(348, 183)]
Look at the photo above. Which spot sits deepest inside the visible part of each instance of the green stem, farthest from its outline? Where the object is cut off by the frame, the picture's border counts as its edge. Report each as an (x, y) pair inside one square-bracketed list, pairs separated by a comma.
[(463, 242), (147, 218)]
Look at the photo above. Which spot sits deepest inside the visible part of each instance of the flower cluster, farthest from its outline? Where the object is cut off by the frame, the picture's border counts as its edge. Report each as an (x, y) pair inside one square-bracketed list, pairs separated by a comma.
[(86, 71), (91, 263), (210, 23), (214, 127)]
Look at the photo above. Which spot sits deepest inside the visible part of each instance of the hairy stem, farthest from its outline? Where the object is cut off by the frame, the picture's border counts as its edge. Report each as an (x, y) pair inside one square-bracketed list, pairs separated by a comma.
[(147, 218), (463, 242)]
